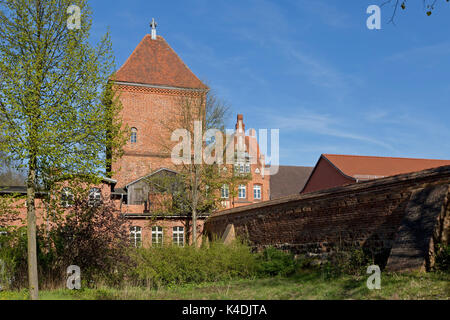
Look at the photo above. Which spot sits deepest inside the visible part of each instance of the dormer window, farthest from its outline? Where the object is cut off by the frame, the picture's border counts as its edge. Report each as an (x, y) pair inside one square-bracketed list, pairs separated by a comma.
[(134, 135)]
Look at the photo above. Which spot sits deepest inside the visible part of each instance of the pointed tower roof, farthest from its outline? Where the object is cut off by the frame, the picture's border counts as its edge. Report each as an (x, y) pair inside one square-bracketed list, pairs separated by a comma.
[(154, 62)]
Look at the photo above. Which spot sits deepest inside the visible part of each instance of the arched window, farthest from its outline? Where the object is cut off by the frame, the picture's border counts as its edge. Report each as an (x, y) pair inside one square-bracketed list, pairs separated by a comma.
[(134, 135), (242, 192), (67, 199), (95, 197), (136, 236)]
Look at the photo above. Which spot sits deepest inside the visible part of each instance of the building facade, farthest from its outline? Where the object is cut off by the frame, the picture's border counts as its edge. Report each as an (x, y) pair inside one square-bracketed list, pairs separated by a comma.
[(150, 85)]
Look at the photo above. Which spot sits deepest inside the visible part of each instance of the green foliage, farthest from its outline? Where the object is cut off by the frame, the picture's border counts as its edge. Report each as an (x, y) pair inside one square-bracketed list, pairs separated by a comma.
[(352, 262), (303, 286), (95, 238), (274, 262), (443, 258), (13, 258), (54, 93), (173, 265)]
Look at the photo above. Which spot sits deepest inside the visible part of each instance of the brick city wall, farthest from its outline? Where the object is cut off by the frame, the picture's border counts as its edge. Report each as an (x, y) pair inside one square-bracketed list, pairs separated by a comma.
[(403, 214)]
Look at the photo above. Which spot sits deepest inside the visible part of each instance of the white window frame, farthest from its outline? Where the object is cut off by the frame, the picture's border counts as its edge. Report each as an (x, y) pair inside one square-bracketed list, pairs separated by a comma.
[(67, 198), (136, 236), (242, 188), (257, 192), (178, 236), (95, 197), (225, 192), (157, 234)]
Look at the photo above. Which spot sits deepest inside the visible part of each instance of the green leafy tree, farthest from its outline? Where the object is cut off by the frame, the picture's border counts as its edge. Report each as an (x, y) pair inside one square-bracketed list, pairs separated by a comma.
[(52, 90)]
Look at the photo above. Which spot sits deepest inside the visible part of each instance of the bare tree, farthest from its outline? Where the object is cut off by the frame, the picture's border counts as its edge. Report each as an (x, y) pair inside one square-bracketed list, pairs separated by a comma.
[(198, 182), (428, 6)]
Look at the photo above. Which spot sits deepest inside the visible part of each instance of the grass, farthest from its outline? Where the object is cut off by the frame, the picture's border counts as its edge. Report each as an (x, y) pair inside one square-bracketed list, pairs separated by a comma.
[(309, 285)]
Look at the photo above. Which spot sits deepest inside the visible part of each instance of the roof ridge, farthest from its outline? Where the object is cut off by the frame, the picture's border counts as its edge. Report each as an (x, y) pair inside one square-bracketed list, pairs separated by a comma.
[(132, 53), (380, 157), (181, 60)]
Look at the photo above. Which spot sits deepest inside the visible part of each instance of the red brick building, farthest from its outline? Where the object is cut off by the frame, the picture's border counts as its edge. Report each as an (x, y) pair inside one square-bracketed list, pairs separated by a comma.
[(150, 85), (337, 170)]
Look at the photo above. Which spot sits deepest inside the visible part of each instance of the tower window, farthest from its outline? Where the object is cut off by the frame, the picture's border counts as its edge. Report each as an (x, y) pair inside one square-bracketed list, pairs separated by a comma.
[(133, 135)]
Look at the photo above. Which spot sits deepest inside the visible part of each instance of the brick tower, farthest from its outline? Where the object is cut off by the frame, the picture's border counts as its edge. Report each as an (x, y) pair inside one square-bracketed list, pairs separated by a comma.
[(149, 83)]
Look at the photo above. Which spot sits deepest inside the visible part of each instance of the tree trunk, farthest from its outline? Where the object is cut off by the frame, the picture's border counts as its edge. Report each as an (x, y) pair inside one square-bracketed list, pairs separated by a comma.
[(31, 233), (194, 227)]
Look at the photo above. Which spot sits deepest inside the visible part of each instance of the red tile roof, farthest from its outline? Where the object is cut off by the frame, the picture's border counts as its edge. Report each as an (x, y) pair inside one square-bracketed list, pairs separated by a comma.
[(364, 168), (154, 62)]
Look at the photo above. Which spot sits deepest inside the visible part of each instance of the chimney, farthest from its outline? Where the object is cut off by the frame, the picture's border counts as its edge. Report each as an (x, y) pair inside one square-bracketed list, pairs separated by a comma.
[(153, 25), (240, 123)]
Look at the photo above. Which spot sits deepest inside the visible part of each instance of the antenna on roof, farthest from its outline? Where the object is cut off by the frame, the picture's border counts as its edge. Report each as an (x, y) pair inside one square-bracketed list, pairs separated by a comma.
[(153, 25)]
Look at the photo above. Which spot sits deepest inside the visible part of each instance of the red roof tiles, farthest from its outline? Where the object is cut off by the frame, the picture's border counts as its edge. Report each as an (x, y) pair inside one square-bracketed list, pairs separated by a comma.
[(365, 168), (154, 62)]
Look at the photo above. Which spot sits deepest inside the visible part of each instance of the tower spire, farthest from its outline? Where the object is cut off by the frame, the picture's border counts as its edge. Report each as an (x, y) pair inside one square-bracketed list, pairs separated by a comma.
[(153, 25)]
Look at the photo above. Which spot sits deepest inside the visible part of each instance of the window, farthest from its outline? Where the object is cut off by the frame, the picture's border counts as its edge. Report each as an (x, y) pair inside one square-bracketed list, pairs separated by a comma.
[(242, 168), (242, 192), (133, 135), (136, 236), (157, 236), (225, 192), (178, 236), (95, 197), (67, 199), (257, 192)]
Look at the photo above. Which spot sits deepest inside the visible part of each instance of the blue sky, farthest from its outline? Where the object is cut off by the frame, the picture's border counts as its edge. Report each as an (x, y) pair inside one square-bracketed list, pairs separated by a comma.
[(309, 68)]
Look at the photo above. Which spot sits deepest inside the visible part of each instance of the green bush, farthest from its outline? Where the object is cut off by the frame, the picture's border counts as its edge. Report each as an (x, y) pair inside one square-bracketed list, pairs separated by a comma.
[(273, 262), (352, 262), (173, 265), (13, 259), (443, 258)]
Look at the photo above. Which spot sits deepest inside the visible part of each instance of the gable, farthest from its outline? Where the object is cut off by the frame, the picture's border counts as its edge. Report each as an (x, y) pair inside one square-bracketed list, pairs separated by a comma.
[(325, 176), (138, 191)]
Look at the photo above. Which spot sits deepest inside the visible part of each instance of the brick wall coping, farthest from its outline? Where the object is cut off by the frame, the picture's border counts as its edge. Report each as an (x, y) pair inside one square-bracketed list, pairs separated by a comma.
[(366, 186)]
